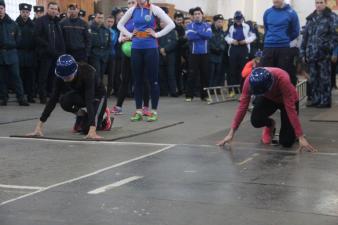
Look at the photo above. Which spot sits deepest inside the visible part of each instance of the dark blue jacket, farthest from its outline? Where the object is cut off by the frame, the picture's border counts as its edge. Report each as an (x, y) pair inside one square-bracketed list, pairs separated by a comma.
[(217, 45), (281, 27), (8, 39), (198, 35), (26, 43)]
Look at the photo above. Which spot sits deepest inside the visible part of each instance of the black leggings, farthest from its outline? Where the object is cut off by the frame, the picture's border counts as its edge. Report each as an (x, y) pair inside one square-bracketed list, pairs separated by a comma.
[(72, 102), (260, 117), (125, 84)]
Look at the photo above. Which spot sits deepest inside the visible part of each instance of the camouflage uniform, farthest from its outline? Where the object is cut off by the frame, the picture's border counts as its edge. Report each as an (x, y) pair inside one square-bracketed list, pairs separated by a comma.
[(319, 39)]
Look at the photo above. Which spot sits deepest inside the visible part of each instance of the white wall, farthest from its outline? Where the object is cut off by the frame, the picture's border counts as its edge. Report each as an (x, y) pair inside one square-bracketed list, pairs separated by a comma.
[(252, 9), (12, 7)]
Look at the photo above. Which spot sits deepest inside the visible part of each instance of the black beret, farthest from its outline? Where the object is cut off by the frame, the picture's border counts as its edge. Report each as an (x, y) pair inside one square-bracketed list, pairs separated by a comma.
[(39, 8), (24, 6)]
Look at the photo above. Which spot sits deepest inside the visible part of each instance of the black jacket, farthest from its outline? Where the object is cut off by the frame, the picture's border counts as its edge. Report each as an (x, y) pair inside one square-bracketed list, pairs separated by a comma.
[(84, 84), (169, 43), (101, 42), (26, 43), (8, 39), (48, 36), (319, 36), (217, 45), (76, 34)]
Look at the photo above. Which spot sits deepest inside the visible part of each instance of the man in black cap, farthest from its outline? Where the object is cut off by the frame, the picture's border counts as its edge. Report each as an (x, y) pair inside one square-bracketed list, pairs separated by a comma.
[(26, 50), (217, 47), (82, 14), (39, 11), (76, 35), (9, 61), (49, 47), (239, 38)]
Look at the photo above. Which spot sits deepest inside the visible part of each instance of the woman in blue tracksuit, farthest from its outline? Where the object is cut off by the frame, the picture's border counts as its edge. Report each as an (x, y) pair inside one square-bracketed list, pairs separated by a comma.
[(145, 55)]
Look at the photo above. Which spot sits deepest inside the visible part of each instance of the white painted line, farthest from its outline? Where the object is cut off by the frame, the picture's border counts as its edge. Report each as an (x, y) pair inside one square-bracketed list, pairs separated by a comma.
[(86, 142), (20, 187), (114, 185), (90, 174), (248, 159)]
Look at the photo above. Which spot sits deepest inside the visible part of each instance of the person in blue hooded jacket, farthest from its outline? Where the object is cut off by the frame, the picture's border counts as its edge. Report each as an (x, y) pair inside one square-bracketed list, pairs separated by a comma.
[(198, 34), (281, 26)]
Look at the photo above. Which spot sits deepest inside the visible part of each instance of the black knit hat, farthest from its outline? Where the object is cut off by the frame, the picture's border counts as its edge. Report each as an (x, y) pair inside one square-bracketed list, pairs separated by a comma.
[(2, 2)]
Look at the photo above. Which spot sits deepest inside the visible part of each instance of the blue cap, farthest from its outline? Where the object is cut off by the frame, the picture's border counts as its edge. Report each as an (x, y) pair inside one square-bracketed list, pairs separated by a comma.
[(65, 66), (238, 15), (261, 81)]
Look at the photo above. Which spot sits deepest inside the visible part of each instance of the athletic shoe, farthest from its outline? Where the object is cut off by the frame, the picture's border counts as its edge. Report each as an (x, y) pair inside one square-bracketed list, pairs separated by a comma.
[(116, 110), (107, 123), (232, 94), (146, 111), (188, 99), (78, 124), (137, 116), (268, 133), (153, 117), (206, 99)]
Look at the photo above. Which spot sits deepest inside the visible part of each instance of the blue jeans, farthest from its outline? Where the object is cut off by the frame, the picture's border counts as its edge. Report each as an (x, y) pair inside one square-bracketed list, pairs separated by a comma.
[(145, 62)]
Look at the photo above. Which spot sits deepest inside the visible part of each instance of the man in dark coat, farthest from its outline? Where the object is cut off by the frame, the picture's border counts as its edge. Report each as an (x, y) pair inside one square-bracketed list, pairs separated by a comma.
[(9, 61), (26, 50), (50, 45)]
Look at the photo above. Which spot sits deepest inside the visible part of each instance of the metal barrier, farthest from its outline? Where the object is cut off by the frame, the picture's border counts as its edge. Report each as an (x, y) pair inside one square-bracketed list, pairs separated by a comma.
[(223, 94), (227, 93), (302, 90)]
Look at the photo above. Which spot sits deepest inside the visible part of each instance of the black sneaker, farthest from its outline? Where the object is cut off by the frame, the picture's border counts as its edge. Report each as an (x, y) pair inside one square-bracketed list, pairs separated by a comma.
[(31, 100), (23, 103), (43, 100)]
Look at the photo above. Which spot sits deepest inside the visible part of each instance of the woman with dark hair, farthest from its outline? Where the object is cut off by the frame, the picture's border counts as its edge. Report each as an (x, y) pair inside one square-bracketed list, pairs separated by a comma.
[(144, 54)]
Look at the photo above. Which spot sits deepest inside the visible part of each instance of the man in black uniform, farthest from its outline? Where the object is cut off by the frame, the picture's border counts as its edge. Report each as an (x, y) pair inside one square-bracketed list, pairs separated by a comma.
[(39, 11), (9, 61), (50, 45), (26, 50), (182, 41), (101, 46), (75, 88), (76, 35)]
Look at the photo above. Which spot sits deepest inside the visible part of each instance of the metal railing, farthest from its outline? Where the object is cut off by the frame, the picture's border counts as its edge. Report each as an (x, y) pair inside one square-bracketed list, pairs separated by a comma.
[(232, 93)]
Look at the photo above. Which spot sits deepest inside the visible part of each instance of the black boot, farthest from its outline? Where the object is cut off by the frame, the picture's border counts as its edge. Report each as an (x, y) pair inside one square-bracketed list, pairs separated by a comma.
[(3, 102), (31, 100), (23, 102), (43, 100)]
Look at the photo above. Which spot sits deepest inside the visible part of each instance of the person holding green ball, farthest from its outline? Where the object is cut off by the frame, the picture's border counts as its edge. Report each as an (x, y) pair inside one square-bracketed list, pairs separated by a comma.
[(126, 72)]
